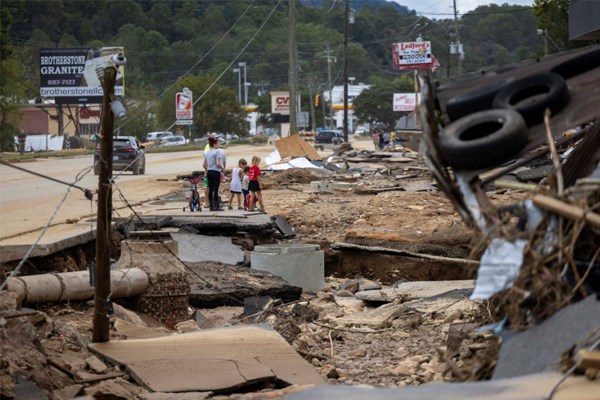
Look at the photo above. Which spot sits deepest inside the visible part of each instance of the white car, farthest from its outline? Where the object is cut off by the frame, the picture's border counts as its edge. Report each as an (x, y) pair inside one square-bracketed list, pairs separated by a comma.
[(172, 141), (152, 136)]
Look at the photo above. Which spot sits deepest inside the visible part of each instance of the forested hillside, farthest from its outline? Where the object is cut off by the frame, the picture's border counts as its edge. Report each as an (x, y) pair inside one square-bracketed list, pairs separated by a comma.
[(164, 38)]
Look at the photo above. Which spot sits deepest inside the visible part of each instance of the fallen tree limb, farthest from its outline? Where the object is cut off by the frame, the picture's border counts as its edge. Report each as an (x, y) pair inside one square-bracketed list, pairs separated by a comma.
[(405, 253), (527, 187), (566, 210)]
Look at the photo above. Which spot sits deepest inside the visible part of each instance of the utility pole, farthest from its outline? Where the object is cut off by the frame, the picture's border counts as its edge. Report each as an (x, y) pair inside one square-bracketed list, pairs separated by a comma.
[(103, 220), (312, 107), (292, 70), (457, 41), (59, 113), (448, 67), (347, 22), (329, 61)]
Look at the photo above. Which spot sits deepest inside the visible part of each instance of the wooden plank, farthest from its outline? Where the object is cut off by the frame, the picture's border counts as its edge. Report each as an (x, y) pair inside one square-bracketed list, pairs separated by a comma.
[(218, 360), (587, 359), (296, 147), (566, 210)]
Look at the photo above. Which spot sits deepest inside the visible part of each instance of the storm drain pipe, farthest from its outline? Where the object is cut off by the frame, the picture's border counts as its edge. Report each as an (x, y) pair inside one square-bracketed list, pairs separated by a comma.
[(76, 285)]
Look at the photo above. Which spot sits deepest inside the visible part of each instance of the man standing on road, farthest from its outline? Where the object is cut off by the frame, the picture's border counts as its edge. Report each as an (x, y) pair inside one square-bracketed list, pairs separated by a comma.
[(214, 165)]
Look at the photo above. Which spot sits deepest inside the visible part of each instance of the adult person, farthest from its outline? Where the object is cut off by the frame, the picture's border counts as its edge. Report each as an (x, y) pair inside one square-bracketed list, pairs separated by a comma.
[(214, 167), (22, 139), (380, 140), (386, 138)]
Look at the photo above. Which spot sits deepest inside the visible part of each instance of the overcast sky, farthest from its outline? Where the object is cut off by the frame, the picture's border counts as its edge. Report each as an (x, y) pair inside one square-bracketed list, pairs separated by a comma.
[(445, 6)]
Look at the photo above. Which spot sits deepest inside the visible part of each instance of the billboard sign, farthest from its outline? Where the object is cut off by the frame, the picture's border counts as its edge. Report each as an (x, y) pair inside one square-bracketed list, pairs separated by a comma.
[(411, 53), (405, 101), (280, 103), (184, 110), (72, 72)]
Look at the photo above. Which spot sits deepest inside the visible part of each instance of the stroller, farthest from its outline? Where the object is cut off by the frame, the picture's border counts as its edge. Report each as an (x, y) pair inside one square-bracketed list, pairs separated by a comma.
[(194, 198)]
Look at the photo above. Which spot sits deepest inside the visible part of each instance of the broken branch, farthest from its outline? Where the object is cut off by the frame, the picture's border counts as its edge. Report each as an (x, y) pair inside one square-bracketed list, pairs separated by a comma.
[(566, 210)]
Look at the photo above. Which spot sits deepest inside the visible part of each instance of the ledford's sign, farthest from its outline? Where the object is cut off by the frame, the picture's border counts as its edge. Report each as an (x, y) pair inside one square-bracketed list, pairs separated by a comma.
[(408, 53), (184, 110), (72, 72)]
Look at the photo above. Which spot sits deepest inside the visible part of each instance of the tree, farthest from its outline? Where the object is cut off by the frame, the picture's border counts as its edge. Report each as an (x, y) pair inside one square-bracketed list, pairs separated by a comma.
[(68, 41), (217, 111), (375, 104), (12, 89), (140, 110)]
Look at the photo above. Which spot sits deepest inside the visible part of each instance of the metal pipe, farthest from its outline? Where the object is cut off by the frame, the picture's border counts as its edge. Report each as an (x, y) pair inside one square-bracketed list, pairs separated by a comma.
[(76, 285)]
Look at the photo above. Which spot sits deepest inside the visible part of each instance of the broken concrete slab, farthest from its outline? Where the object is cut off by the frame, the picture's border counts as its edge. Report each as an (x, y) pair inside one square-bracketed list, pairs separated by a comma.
[(325, 186), (57, 238), (228, 285), (299, 264), (200, 248), (131, 331), (176, 396), (218, 360), (283, 226), (414, 290), (419, 186), (377, 318), (363, 284), (539, 348), (530, 387), (95, 364)]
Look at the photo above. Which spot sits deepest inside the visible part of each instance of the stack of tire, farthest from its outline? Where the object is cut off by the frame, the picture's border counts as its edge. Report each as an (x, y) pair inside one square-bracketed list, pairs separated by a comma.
[(490, 124)]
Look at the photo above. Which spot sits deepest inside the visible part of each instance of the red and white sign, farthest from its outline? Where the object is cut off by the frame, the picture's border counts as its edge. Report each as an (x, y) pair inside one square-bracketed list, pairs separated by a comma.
[(280, 103), (414, 55), (411, 53), (184, 110), (405, 101)]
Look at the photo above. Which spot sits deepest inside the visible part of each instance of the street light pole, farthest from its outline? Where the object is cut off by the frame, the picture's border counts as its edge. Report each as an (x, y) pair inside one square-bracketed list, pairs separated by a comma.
[(243, 64), (292, 68), (238, 70)]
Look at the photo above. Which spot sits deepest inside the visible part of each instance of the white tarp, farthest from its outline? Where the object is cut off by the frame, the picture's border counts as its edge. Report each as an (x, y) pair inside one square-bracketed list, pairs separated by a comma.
[(273, 158), (38, 142), (301, 162), (499, 266)]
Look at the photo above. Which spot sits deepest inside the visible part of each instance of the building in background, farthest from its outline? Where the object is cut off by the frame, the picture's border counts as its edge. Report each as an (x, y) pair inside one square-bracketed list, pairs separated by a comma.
[(337, 93), (584, 20)]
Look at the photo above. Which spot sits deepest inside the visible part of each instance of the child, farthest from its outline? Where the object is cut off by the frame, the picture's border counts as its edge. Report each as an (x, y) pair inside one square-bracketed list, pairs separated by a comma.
[(245, 191), (254, 185), (236, 183)]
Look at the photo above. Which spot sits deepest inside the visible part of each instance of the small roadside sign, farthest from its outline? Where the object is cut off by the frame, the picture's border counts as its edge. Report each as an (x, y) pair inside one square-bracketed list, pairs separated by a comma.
[(184, 110)]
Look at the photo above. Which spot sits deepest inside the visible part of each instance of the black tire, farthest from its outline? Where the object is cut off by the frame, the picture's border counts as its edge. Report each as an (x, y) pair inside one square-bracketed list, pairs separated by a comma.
[(136, 169), (96, 171), (143, 170), (578, 65), (474, 101), (191, 206), (484, 139), (536, 174), (552, 87)]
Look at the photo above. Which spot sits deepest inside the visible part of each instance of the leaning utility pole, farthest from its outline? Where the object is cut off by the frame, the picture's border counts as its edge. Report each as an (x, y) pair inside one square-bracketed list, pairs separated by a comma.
[(292, 70), (312, 106), (103, 220), (457, 40), (347, 22)]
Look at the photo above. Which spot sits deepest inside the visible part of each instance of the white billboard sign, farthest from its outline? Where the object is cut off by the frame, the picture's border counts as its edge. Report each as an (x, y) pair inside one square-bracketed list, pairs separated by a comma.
[(405, 101), (184, 110), (410, 53), (280, 103)]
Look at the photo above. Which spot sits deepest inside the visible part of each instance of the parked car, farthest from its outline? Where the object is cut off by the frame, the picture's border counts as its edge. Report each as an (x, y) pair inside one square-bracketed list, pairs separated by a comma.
[(328, 138), (172, 141), (126, 149), (152, 136)]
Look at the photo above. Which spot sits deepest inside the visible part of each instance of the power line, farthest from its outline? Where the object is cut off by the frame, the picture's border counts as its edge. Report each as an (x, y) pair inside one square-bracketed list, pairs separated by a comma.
[(79, 177), (206, 91), (88, 193), (188, 71)]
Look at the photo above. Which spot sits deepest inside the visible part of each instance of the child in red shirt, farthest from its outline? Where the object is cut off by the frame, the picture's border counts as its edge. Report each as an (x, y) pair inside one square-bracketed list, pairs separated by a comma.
[(254, 185)]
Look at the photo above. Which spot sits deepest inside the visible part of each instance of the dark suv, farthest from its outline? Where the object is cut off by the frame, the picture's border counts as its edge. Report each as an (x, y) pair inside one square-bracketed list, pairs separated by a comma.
[(125, 150), (327, 137)]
